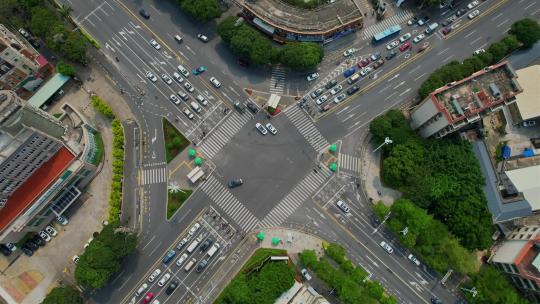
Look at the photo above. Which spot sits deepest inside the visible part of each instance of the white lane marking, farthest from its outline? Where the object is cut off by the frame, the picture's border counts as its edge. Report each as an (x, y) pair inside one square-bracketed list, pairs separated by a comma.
[(342, 110), (475, 40), (448, 58), (504, 22), (470, 34), (443, 51), (528, 6), (399, 84), (416, 68), (498, 15), (420, 76), (390, 96), (149, 242), (404, 92)]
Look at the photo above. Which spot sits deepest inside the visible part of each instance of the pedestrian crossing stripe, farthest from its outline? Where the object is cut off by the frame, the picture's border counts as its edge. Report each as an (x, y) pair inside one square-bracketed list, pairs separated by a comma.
[(219, 138), (154, 176), (399, 18), (277, 79), (349, 163), (306, 127)]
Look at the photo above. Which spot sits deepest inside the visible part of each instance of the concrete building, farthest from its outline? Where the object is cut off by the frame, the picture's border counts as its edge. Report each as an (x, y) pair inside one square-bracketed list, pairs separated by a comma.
[(44, 164), (528, 102), (462, 103), (301, 294)]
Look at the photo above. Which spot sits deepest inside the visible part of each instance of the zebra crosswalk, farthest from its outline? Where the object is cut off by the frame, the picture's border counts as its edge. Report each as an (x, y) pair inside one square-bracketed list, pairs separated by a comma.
[(306, 128), (349, 163), (229, 204), (398, 18), (277, 81), (295, 198), (154, 176), (218, 139)]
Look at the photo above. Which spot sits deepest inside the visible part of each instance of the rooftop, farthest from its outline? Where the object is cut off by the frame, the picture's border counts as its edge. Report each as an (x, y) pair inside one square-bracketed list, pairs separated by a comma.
[(46, 91), (509, 251), (528, 101), (320, 20)]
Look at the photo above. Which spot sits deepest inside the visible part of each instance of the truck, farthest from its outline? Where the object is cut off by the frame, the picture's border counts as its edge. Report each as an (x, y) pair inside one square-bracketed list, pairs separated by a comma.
[(213, 250), (193, 246), (431, 28)]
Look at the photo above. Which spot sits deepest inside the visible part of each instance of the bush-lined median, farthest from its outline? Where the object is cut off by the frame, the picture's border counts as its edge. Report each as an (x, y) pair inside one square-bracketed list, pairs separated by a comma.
[(175, 142), (175, 199)]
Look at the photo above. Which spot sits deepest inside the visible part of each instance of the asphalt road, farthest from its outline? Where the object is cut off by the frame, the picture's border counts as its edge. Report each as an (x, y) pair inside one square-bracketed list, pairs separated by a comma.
[(280, 171)]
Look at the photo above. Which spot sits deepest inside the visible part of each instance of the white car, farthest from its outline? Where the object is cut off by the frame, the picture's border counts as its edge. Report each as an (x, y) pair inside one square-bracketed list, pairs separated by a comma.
[(405, 37), (24, 33), (392, 45), (75, 259), (473, 14), (194, 229), (479, 51), (306, 274), (413, 259), (188, 87), (336, 89), (322, 99), (11, 246), (62, 220), (215, 82), (44, 236), (473, 4), (88, 242), (164, 279), (154, 275), (343, 206), (339, 98), (365, 71), (187, 113), (178, 77), (174, 99), (155, 44), (349, 52), (261, 129), (271, 128), (166, 78), (202, 37), (183, 70), (387, 247), (312, 77), (151, 76), (419, 38), (181, 259), (51, 231)]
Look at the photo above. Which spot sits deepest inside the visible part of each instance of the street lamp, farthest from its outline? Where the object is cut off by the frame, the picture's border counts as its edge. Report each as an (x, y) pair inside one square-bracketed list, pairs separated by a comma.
[(387, 141)]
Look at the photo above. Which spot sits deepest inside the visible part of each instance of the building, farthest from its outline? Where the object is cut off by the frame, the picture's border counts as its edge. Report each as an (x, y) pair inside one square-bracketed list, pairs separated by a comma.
[(44, 164), (528, 102), (22, 69), (519, 259), (284, 22), (301, 294), (463, 103)]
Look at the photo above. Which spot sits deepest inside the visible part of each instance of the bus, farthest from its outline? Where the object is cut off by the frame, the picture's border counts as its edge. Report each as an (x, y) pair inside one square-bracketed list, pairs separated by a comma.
[(387, 33)]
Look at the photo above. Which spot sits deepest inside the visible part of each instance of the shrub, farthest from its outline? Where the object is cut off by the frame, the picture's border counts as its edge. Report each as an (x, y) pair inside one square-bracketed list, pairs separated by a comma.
[(65, 69), (101, 106)]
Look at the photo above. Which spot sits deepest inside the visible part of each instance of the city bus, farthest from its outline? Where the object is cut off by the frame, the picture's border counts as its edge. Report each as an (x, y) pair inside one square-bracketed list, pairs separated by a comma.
[(387, 33)]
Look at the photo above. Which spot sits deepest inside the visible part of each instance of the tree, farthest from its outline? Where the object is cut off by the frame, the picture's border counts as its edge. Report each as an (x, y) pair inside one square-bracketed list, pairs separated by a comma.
[(493, 288), (511, 42), (75, 47), (308, 258), (226, 29), (64, 11), (43, 21), (202, 10), (401, 163), (527, 31), (498, 50), (63, 295), (65, 69), (380, 209), (301, 55)]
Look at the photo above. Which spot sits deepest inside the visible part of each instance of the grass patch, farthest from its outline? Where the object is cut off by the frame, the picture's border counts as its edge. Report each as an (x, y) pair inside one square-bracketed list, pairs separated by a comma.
[(499, 152), (90, 38), (175, 200), (260, 255), (57, 115), (307, 4), (175, 142), (99, 148)]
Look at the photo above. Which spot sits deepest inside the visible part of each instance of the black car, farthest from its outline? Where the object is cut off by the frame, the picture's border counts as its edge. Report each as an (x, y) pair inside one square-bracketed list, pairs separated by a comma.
[(171, 288), (27, 251), (202, 265), (390, 55), (352, 90), (38, 240), (375, 221), (330, 84), (144, 13), (235, 183), (5, 251), (31, 245), (240, 107), (253, 108), (436, 300), (206, 244), (35, 43)]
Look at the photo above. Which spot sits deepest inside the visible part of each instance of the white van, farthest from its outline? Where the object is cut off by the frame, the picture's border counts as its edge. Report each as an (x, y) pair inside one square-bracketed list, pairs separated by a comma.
[(213, 250), (183, 70), (431, 28), (195, 106), (190, 264), (192, 246), (202, 100), (140, 291)]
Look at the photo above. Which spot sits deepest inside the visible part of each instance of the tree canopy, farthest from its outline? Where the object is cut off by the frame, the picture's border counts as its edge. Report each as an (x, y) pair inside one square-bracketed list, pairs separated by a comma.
[(527, 31), (493, 288), (301, 56), (202, 10), (65, 69), (63, 295)]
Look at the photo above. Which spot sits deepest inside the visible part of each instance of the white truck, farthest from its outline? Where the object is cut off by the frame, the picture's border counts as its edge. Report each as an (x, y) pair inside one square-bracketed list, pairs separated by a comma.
[(213, 250)]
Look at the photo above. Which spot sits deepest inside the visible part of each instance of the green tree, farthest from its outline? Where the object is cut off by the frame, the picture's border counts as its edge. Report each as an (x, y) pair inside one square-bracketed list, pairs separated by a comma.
[(75, 47), (527, 31), (65, 69), (493, 288), (308, 258), (511, 42), (64, 10), (498, 50), (63, 295), (380, 209), (43, 21), (301, 55), (401, 163), (202, 10), (226, 29)]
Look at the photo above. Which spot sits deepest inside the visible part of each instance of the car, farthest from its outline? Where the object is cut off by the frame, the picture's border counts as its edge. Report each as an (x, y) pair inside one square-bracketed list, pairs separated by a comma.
[(194, 229), (240, 106), (375, 56), (154, 275), (141, 289), (445, 23), (343, 206), (174, 99), (419, 38), (461, 11), (390, 55), (339, 98), (386, 247), (330, 84), (206, 244), (199, 70), (51, 231), (336, 89), (479, 51), (271, 128), (364, 62), (34, 42), (405, 46), (188, 87), (435, 300), (75, 259), (235, 183), (144, 13), (38, 240), (27, 251), (62, 220), (181, 259), (349, 52), (31, 245), (424, 20), (164, 279), (405, 37), (11, 247), (422, 48), (365, 71), (305, 274), (379, 63), (252, 107), (195, 107), (413, 259), (202, 100), (316, 93), (528, 123), (171, 288), (392, 45), (178, 77), (184, 96), (183, 70), (24, 33), (352, 90), (5, 251), (473, 14), (322, 99), (202, 264), (349, 72), (166, 78), (215, 82), (261, 129), (155, 44), (242, 62), (151, 76), (203, 38), (312, 77), (325, 108), (446, 30), (149, 296), (88, 242), (375, 221), (473, 4), (187, 113), (182, 243), (178, 38), (412, 21)]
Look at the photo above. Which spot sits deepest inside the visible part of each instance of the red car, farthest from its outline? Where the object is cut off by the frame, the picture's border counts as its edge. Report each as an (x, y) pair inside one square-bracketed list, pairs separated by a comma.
[(405, 46), (364, 62), (148, 298), (446, 30)]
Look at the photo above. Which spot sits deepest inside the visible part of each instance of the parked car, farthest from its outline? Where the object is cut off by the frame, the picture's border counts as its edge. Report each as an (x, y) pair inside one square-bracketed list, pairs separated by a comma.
[(166, 78), (151, 76), (391, 55), (419, 38), (375, 56), (473, 4), (164, 279), (479, 51), (149, 296), (261, 129), (473, 15), (178, 38), (336, 89), (316, 93), (424, 20), (75, 259), (174, 99), (215, 82), (202, 264), (392, 45), (27, 251), (43, 235), (12, 247), (386, 247), (38, 240), (461, 11), (182, 243), (413, 259), (305, 274), (144, 13), (203, 38), (24, 33), (188, 87), (405, 46), (349, 52), (379, 63), (181, 259), (271, 128), (412, 21), (5, 251), (194, 229), (364, 62), (446, 30), (187, 112), (339, 98), (312, 76), (330, 84), (322, 99), (171, 288), (51, 231), (405, 37), (529, 123), (154, 275), (236, 183), (178, 77), (352, 90)]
